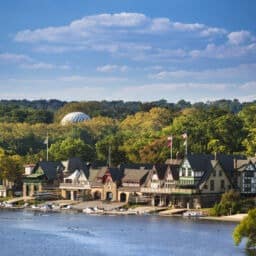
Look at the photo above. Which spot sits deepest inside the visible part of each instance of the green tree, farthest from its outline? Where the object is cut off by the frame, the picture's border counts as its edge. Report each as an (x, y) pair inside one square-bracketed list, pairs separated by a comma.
[(71, 147), (230, 204), (247, 229), (11, 167), (112, 143)]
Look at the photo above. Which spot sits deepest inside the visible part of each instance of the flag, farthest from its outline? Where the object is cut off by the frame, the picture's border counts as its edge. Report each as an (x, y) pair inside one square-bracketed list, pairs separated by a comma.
[(169, 140), (46, 140)]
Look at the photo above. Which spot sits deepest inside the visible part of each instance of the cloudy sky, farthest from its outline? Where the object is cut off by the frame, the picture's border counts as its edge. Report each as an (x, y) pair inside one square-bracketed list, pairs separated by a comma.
[(130, 49)]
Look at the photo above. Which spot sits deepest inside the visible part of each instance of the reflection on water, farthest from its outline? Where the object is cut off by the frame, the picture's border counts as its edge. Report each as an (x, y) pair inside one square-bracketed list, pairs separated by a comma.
[(27, 233)]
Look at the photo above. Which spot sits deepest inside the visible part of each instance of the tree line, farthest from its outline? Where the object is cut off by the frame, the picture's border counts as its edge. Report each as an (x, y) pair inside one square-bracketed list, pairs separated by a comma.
[(49, 111)]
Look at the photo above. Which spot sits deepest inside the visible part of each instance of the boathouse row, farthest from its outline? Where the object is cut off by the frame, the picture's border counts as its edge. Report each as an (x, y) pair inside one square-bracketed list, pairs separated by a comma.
[(198, 180)]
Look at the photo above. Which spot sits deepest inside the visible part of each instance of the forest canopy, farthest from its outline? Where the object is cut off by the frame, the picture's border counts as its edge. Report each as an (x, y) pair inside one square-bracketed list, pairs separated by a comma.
[(135, 131)]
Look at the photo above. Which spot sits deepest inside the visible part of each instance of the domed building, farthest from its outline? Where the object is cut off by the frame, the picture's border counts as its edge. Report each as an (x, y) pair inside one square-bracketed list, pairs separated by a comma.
[(74, 117)]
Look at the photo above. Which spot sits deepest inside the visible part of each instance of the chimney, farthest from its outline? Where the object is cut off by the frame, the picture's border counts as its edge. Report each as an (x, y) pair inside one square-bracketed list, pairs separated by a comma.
[(215, 156)]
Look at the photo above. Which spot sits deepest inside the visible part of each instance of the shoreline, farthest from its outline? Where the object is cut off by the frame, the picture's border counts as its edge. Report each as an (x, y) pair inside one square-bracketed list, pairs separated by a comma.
[(144, 211)]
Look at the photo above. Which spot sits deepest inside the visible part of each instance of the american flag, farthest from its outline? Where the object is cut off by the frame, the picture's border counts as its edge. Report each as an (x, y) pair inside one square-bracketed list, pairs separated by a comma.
[(169, 139)]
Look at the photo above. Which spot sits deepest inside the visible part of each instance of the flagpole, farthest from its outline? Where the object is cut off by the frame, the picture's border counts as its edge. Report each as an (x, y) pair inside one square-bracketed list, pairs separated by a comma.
[(171, 151), (187, 146), (47, 146), (170, 140)]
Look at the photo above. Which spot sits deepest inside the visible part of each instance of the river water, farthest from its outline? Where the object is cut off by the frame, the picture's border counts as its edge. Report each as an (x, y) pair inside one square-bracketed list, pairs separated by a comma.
[(64, 234)]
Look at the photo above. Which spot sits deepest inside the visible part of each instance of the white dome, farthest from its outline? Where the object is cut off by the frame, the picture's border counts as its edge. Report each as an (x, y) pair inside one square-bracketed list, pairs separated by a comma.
[(74, 117)]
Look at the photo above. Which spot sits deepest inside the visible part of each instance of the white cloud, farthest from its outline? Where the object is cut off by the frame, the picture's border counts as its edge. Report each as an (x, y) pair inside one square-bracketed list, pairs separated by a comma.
[(43, 65), (236, 73), (240, 37), (121, 34), (27, 62), (224, 51), (249, 86), (16, 58), (118, 24), (112, 68)]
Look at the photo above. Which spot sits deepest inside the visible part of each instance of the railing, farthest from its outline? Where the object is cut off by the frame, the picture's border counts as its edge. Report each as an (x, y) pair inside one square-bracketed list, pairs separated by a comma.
[(74, 186), (168, 190)]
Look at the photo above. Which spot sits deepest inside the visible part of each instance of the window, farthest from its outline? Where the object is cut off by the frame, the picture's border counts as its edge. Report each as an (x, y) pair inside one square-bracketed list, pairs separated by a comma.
[(220, 173), (205, 186), (212, 185), (222, 184), (183, 171), (214, 173), (189, 172)]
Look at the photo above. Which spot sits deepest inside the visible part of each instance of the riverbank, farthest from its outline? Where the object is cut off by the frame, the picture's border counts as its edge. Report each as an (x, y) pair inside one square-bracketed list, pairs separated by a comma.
[(232, 218), (117, 208)]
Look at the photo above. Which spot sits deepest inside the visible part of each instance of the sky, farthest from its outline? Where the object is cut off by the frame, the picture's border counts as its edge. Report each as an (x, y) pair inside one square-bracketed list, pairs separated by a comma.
[(131, 50)]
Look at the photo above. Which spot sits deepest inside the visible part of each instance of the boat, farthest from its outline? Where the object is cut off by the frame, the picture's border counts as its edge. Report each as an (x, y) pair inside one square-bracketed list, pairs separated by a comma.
[(192, 214)]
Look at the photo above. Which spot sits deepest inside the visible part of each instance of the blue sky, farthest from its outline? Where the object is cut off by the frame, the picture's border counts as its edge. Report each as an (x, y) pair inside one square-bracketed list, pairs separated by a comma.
[(196, 50)]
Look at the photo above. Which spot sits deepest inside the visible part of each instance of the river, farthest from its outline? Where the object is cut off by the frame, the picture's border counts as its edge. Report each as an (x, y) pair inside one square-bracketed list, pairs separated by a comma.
[(65, 234)]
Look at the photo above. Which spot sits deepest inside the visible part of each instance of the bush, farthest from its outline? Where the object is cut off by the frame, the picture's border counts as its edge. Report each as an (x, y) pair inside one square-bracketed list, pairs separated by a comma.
[(230, 204)]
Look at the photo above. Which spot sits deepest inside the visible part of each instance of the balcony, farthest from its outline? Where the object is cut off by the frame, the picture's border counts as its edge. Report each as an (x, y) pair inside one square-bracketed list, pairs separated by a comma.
[(75, 186), (168, 190)]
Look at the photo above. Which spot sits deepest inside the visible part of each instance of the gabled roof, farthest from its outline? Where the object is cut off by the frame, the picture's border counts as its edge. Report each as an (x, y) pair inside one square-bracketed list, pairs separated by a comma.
[(200, 162), (116, 173), (75, 163), (161, 170), (50, 169), (206, 163), (95, 174), (228, 162), (135, 175), (174, 169), (241, 165), (76, 175), (208, 172)]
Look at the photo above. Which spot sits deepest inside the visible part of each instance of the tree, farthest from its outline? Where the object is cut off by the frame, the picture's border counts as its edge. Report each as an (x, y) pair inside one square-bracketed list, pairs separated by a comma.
[(228, 129), (247, 229), (155, 152), (11, 167), (214, 146), (230, 204), (71, 147), (114, 142)]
